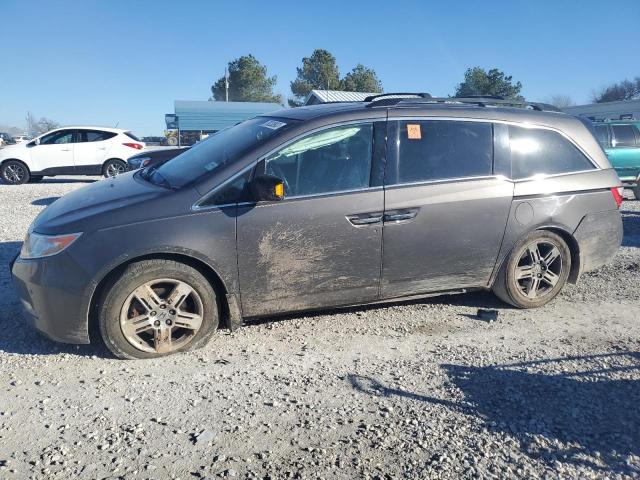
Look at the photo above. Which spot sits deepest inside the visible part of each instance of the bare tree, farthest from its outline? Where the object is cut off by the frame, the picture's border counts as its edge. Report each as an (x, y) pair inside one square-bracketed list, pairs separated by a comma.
[(46, 124), (624, 90), (560, 100)]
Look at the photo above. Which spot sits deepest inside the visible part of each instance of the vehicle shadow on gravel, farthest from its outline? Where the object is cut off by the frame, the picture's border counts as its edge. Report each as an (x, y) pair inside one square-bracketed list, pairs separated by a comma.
[(476, 299), (68, 180), (44, 202), (16, 334), (580, 410), (631, 224)]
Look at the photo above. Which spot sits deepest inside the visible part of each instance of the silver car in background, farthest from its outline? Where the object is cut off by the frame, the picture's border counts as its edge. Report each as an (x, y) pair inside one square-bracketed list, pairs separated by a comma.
[(325, 206)]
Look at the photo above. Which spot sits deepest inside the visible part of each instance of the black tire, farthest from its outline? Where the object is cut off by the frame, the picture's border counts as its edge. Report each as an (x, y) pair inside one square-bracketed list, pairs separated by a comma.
[(113, 168), (534, 290), (135, 276), (14, 172), (36, 178)]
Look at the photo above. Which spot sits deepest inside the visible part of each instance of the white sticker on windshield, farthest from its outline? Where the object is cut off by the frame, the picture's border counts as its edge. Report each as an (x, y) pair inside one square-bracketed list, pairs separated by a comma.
[(273, 124), (210, 166)]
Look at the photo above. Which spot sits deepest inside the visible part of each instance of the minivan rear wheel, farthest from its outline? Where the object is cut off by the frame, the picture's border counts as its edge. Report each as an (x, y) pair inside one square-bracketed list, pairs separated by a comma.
[(535, 271), (156, 308)]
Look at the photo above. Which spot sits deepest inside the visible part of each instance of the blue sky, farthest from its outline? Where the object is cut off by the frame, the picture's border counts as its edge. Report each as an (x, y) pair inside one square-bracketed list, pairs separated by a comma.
[(126, 61)]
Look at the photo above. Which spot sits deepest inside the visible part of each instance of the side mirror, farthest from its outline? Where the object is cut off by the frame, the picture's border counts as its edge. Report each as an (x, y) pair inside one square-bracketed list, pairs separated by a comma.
[(33, 143), (268, 188)]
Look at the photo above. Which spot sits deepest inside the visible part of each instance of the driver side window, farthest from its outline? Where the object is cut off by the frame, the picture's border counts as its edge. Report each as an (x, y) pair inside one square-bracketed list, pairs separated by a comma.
[(55, 138), (332, 160)]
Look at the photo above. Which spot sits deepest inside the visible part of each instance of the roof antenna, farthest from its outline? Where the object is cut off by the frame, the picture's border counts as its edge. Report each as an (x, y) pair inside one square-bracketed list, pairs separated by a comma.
[(117, 123)]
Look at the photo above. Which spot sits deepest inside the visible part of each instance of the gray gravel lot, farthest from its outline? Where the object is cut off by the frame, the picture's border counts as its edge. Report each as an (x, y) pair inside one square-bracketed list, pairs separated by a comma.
[(411, 390)]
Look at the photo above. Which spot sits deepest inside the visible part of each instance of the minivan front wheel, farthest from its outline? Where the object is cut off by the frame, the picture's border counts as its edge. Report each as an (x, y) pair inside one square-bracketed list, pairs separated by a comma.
[(156, 308), (535, 271), (14, 172)]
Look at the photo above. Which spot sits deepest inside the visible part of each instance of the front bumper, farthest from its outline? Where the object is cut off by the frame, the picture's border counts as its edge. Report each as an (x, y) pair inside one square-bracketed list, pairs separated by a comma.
[(52, 292)]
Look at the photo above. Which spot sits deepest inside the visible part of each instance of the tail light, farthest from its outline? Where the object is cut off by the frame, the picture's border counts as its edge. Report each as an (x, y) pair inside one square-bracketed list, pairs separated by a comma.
[(137, 146), (617, 195)]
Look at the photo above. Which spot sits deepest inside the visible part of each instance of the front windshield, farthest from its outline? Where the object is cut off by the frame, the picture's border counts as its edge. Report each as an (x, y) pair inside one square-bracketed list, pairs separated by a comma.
[(219, 150)]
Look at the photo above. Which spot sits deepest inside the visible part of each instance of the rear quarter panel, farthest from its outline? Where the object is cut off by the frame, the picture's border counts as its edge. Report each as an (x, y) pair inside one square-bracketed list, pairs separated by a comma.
[(561, 203)]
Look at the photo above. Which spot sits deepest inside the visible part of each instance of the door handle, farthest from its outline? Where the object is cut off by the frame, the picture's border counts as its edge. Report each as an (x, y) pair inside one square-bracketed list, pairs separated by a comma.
[(365, 218), (66, 150), (400, 215)]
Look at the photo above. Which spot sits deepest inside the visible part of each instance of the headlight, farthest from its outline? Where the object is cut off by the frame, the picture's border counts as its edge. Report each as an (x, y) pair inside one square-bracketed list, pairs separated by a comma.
[(135, 163), (37, 246)]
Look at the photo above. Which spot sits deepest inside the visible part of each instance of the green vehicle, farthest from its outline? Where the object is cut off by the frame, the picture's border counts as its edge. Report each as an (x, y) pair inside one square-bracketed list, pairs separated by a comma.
[(621, 142)]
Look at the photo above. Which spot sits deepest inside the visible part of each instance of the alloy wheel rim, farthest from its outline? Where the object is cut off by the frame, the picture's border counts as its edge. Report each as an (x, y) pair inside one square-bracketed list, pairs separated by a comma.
[(161, 316), (114, 169), (14, 173), (539, 268)]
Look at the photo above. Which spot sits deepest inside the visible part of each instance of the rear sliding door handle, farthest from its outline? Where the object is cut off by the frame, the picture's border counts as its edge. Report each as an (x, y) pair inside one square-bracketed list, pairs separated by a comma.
[(365, 218)]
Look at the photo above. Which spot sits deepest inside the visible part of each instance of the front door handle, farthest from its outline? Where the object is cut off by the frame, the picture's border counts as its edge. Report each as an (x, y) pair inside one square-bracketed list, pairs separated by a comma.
[(400, 215), (365, 218)]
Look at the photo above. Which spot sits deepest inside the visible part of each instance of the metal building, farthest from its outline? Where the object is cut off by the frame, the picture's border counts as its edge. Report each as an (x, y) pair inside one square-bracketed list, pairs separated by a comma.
[(622, 110), (194, 119)]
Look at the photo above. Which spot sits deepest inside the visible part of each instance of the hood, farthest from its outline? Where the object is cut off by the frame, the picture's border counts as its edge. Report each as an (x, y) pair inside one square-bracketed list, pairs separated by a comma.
[(102, 204)]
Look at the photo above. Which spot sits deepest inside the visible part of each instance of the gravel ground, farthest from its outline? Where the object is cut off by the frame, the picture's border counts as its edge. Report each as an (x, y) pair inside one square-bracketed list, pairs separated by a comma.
[(411, 390)]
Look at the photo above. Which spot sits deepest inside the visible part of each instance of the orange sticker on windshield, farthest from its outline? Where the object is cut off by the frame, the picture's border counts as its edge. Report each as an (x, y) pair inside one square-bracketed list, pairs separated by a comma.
[(413, 131)]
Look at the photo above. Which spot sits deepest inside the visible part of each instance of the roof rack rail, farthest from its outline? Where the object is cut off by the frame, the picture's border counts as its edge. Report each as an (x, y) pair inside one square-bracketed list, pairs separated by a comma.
[(372, 98), (490, 97), (496, 101), (478, 100)]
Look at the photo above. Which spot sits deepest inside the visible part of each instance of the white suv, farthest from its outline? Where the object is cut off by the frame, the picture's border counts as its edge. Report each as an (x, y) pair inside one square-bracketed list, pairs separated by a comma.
[(69, 151)]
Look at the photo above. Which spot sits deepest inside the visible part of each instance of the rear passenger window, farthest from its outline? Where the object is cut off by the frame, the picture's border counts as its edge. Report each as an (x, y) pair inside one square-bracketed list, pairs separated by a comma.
[(536, 151), (441, 149), (95, 135), (132, 136), (623, 136)]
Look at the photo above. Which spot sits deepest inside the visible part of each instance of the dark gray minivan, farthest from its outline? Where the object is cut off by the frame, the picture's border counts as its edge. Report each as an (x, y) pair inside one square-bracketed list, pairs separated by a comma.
[(324, 206)]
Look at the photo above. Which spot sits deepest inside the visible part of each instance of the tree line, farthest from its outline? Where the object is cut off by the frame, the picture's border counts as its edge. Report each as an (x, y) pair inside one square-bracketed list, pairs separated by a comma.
[(248, 81)]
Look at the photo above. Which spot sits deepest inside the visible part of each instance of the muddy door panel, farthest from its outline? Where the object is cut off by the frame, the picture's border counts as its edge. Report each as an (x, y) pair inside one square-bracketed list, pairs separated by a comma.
[(443, 236), (304, 253)]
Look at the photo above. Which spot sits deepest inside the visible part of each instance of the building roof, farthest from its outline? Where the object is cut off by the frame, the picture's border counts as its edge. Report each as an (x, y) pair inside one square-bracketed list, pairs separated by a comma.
[(324, 96), (210, 115), (316, 97), (611, 110)]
